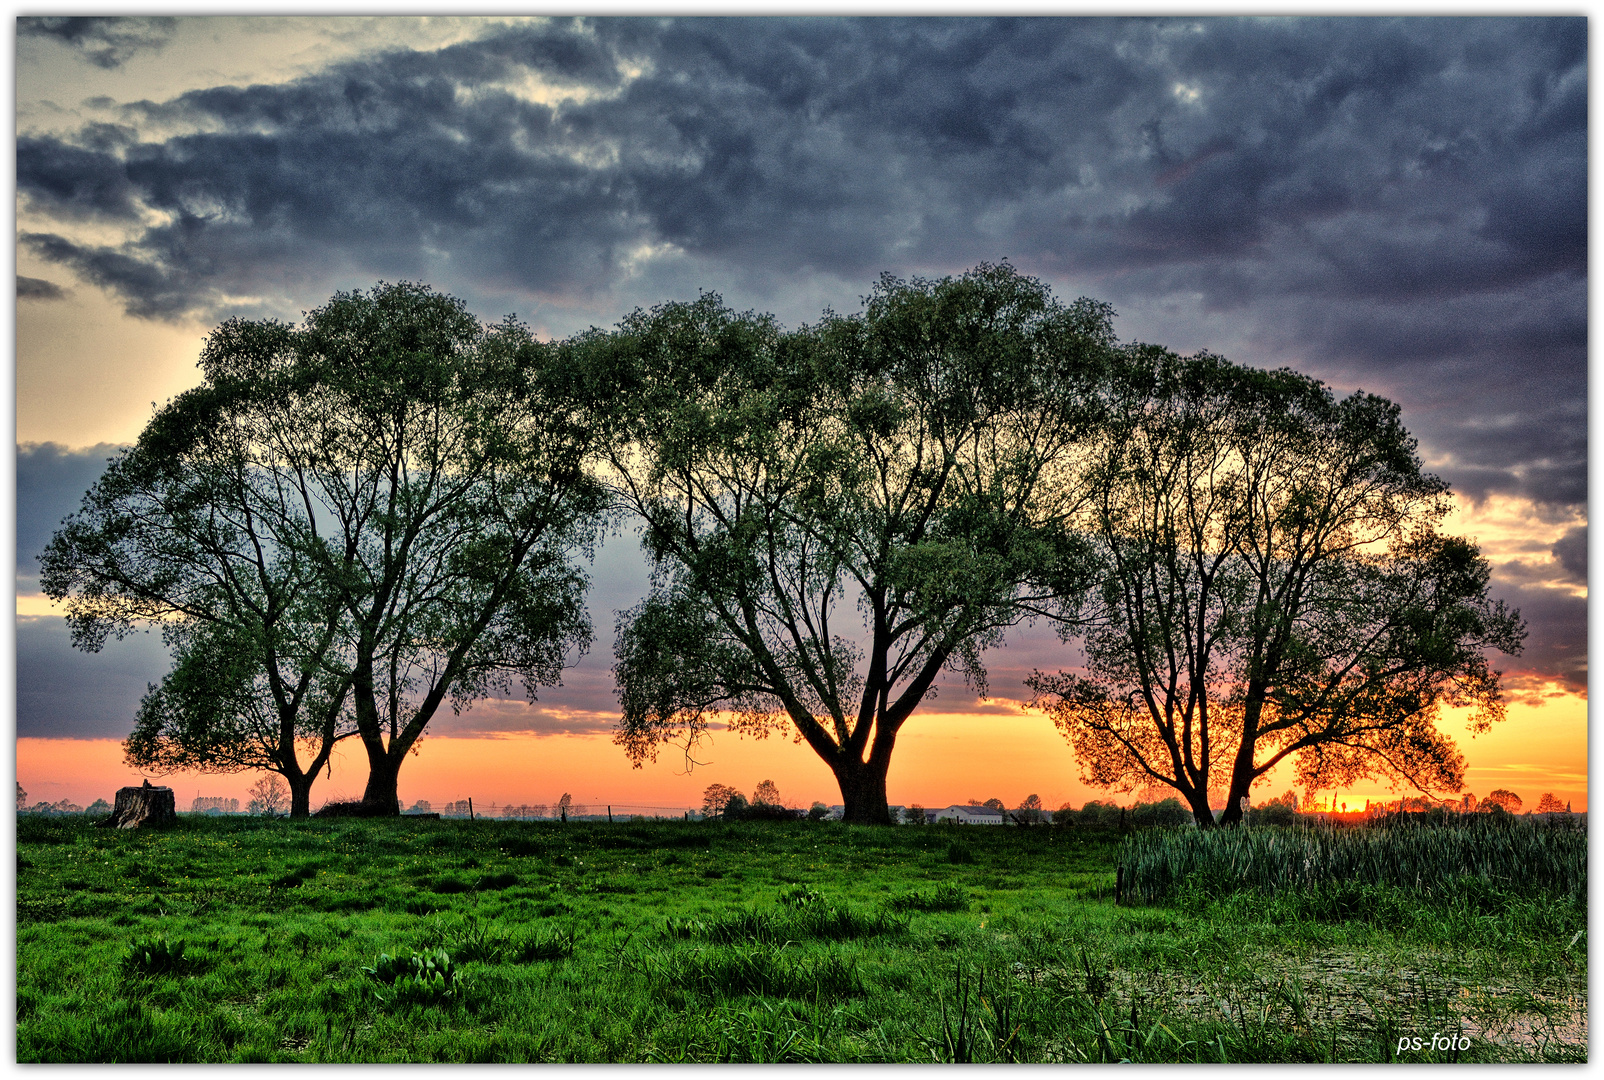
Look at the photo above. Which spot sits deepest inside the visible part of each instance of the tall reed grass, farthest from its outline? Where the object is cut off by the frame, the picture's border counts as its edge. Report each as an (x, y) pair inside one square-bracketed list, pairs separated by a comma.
[(1525, 857)]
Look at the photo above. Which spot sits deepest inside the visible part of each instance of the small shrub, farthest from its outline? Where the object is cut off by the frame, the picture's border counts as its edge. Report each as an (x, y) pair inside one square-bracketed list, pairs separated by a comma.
[(479, 944), (768, 972), (153, 956), (426, 978), (1167, 813), (948, 897), (959, 854), (800, 896), (544, 945), (1276, 814)]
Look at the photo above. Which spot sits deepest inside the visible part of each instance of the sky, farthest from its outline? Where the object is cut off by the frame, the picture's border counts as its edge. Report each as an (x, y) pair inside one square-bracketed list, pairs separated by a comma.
[(1397, 205)]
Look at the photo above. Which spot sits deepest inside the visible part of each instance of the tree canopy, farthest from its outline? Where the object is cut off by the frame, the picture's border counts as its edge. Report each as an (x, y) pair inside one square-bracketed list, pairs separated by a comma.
[(1272, 585), (372, 511), (908, 462)]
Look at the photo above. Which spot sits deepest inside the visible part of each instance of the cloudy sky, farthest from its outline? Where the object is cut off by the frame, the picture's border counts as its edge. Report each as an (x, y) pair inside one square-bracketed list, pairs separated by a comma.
[(1397, 205)]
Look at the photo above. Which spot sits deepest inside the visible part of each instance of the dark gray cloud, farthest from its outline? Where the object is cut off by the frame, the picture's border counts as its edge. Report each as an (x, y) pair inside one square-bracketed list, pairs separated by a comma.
[(1556, 642), (51, 481), (1571, 551), (66, 694), (1393, 204), (104, 42), (32, 288)]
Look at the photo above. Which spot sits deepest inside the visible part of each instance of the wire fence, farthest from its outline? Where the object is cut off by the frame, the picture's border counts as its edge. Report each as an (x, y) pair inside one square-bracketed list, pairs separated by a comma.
[(493, 811)]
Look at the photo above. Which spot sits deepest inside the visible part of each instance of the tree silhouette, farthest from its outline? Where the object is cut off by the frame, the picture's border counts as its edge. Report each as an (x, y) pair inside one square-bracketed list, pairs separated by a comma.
[(904, 462), (267, 796), (355, 519), (1504, 799), (1550, 804), (767, 793), (716, 798), (1272, 586)]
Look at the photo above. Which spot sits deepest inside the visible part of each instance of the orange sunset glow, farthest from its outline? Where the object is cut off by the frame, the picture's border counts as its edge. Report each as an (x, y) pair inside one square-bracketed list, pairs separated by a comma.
[(941, 758)]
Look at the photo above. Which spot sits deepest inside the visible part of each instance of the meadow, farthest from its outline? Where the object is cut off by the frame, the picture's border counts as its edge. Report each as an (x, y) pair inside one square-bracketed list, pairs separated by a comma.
[(240, 939)]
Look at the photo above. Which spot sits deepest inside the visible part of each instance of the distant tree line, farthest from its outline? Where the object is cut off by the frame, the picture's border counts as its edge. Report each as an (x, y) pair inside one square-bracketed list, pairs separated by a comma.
[(360, 518)]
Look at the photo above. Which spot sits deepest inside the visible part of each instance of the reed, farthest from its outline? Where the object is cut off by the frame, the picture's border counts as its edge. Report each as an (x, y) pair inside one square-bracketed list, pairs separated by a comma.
[(1523, 857)]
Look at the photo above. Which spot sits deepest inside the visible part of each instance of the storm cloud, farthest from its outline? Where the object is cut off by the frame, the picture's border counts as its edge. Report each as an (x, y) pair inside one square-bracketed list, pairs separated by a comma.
[(1393, 204), (104, 42)]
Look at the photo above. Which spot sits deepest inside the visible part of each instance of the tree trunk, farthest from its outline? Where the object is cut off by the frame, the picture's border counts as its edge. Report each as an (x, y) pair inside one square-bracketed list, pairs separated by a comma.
[(863, 791), (1232, 814), (1201, 813), (144, 807), (301, 794), (383, 774)]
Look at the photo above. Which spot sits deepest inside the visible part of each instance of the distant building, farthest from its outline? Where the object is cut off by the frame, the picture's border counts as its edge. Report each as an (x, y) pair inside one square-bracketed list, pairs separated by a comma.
[(968, 815)]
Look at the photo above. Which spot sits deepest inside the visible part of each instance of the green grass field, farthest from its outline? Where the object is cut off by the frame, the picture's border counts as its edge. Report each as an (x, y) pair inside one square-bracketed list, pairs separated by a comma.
[(232, 939)]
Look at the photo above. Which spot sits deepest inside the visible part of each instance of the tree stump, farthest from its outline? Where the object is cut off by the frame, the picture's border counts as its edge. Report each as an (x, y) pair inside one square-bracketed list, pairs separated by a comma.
[(143, 808)]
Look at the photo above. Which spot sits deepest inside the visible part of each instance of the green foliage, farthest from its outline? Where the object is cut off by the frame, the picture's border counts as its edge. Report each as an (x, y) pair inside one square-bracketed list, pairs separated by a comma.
[(959, 854), (1270, 553), (904, 462), (1166, 813), (947, 897), (1276, 814), (770, 971), (1524, 857), (153, 956), (855, 957), (423, 978)]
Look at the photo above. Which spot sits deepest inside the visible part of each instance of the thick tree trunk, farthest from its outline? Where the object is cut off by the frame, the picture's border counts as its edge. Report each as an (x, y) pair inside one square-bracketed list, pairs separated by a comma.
[(383, 774), (1201, 813), (863, 791), (144, 807), (301, 794), (1232, 814)]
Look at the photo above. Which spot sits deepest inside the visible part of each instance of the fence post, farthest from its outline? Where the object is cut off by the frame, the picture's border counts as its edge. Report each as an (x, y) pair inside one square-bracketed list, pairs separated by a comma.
[(470, 809), (609, 814)]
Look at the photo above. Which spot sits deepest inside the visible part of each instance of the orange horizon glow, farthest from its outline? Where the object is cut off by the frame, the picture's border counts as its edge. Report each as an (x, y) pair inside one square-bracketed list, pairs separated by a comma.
[(941, 758)]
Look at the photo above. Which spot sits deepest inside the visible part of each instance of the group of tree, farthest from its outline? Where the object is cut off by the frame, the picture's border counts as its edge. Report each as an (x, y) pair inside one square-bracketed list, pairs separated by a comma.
[(723, 801), (359, 517)]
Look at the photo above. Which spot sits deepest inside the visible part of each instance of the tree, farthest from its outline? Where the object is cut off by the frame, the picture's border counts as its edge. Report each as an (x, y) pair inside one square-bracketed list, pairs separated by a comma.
[(381, 501), (903, 462), (22, 796), (1506, 800), (1550, 804), (268, 796), (1030, 810), (913, 815), (194, 531), (1272, 585), (994, 804), (767, 793), (716, 798), (563, 804), (99, 806)]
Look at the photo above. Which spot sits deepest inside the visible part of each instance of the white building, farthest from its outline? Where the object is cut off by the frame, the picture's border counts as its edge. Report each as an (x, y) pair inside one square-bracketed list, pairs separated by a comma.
[(970, 815)]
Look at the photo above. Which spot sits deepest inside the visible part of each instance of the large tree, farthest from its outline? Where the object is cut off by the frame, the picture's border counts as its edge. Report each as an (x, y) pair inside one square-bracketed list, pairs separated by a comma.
[(1273, 586), (836, 514), (419, 475), (190, 531)]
